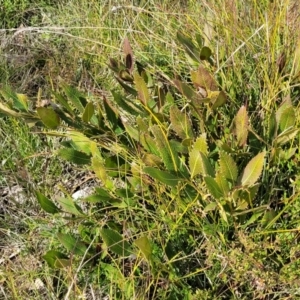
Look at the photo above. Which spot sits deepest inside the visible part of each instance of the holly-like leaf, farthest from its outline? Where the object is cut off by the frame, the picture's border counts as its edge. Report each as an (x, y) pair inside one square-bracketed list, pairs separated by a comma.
[(181, 123), (203, 79), (19, 101), (222, 183), (99, 168), (188, 92), (75, 97), (88, 112), (220, 100), (241, 126), (249, 193), (49, 117), (68, 205), (126, 87), (228, 167), (46, 204), (111, 115), (125, 75), (201, 144), (286, 136), (162, 176), (166, 149), (213, 187), (286, 103), (115, 242), (127, 104), (54, 259), (72, 244), (272, 126), (74, 156), (63, 102), (144, 245), (253, 170), (287, 118), (143, 93), (199, 164), (189, 46)]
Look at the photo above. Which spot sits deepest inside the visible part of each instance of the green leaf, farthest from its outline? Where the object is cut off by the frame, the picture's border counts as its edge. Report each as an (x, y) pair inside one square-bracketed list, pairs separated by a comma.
[(281, 155), (132, 132), (143, 93), (69, 206), (210, 207), (127, 104), (228, 167), (88, 112), (52, 258), (46, 204), (144, 245), (213, 187), (188, 92), (110, 113), (19, 101), (74, 156), (222, 183), (99, 168), (268, 217), (253, 170), (93, 199), (101, 195), (125, 75), (195, 163), (199, 164), (127, 88), (287, 118), (162, 176), (205, 53), (151, 160), (241, 126), (272, 124), (286, 103), (75, 97), (169, 99), (203, 79), (296, 60), (249, 193), (220, 100), (115, 242), (201, 144), (7, 111), (189, 46), (63, 263), (168, 154), (83, 143), (286, 136), (49, 117), (181, 123), (222, 212), (149, 144), (64, 103), (22, 100), (72, 244), (199, 40)]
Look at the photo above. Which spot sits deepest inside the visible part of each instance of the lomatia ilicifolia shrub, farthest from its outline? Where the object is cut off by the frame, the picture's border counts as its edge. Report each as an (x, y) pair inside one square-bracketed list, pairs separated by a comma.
[(173, 168)]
